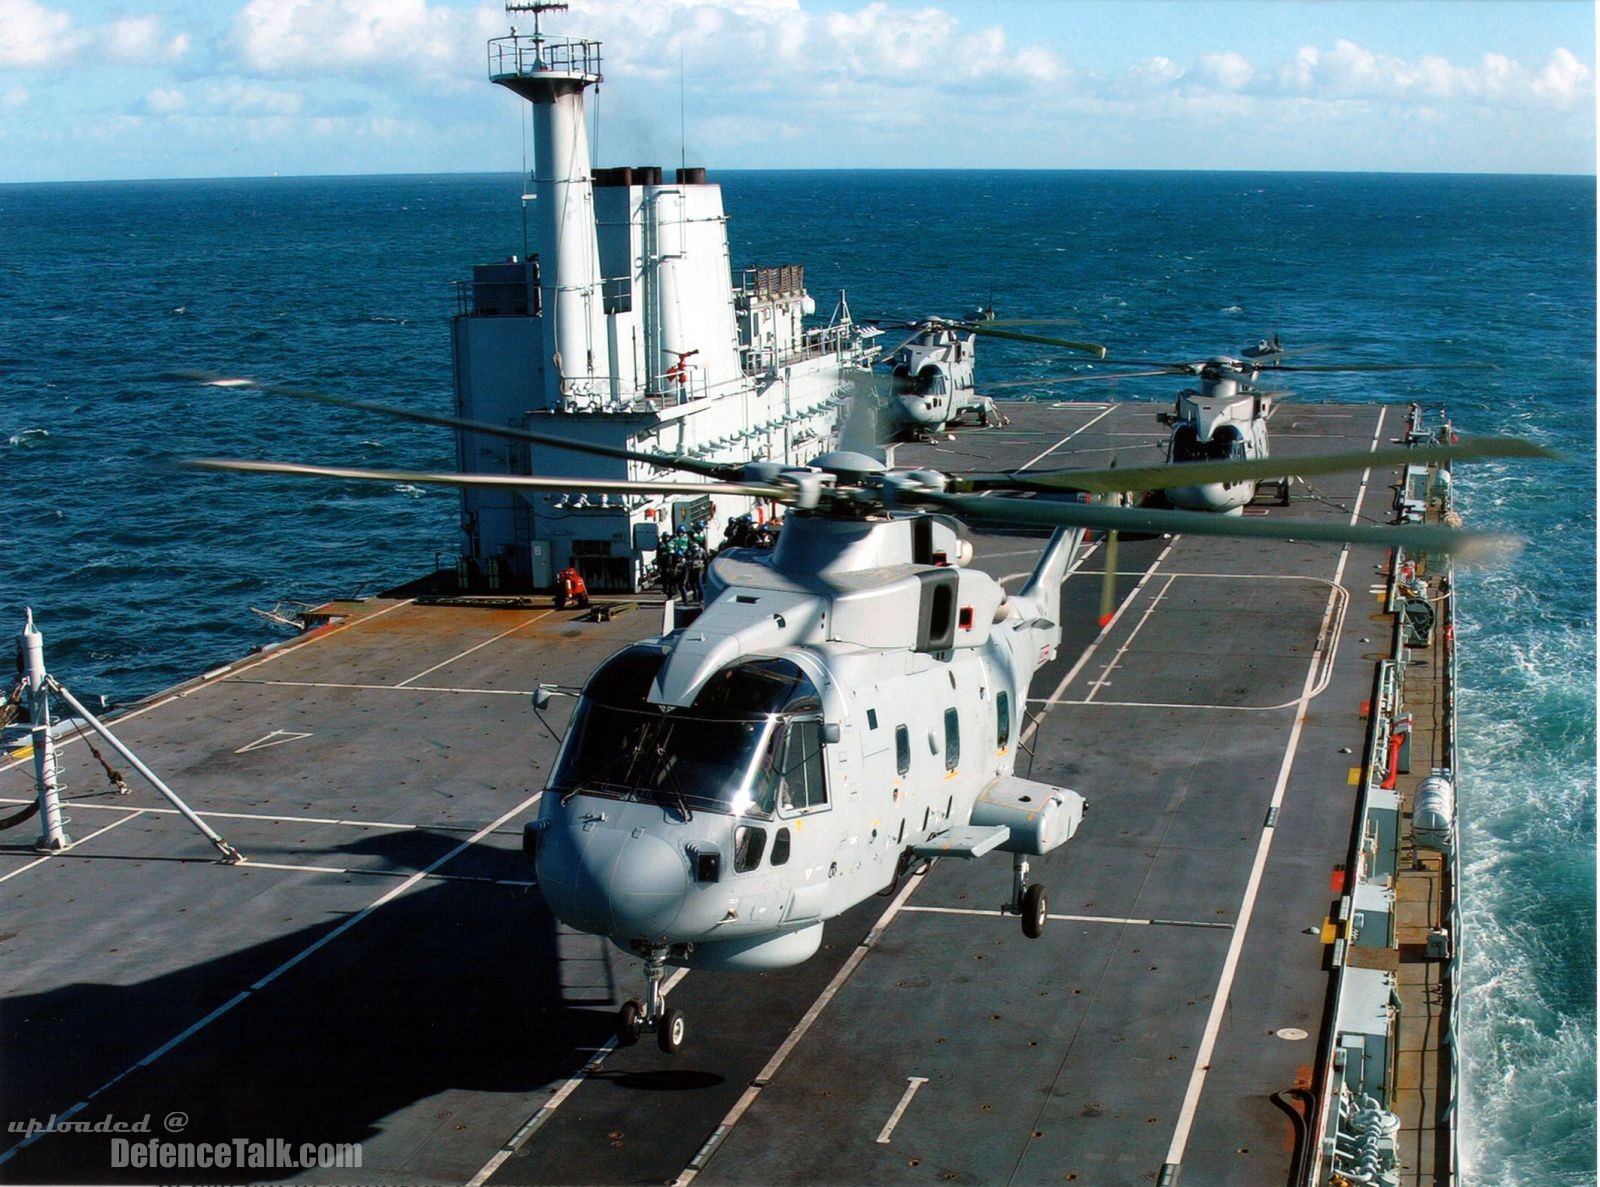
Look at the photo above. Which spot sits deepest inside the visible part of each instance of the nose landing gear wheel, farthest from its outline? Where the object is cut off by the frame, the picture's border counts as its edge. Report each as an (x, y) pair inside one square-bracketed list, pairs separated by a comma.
[(1035, 910), (630, 1023), (670, 1031)]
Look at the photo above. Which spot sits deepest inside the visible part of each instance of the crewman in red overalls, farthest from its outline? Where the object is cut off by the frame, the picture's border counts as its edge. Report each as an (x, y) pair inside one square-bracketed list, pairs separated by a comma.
[(570, 589)]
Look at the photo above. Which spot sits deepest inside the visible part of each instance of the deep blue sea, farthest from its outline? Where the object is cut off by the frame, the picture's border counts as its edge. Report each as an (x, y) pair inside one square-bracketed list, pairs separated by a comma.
[(142, 575)]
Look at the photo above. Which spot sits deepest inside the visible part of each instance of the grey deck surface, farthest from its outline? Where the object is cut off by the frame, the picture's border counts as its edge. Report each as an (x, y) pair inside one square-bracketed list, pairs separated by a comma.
[(403, 986)]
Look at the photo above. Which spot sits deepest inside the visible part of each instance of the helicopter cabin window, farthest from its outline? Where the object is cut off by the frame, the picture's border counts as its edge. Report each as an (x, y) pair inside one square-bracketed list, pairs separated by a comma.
[(952, 739), (780, 847), (723, 753), (1002, 712), (800, 782), (1226, 444), (902, 749), (749, 840)]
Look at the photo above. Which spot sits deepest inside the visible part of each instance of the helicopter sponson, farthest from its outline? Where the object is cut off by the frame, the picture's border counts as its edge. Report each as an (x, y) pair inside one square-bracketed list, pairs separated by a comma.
[(846, 706)]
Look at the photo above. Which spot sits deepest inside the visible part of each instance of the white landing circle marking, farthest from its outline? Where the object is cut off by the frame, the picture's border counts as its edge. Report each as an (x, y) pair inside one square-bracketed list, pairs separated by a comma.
[(1292, 1033)]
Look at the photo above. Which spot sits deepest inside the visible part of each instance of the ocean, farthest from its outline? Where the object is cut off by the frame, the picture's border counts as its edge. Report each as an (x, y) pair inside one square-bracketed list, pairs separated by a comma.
[(141, 574)]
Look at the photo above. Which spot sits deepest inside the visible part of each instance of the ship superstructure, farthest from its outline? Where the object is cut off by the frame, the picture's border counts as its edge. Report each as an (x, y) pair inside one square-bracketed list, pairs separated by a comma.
[(625, 329)]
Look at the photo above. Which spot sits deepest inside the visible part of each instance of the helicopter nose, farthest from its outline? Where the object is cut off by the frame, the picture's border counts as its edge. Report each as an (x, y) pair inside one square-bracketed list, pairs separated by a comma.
[(610, 882)]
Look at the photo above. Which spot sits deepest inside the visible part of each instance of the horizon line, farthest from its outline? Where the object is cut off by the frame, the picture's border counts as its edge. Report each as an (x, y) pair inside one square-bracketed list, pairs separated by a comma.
[(1351, 172)]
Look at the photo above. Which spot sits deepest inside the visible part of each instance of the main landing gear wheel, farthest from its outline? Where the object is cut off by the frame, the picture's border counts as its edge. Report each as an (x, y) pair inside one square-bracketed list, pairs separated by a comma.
[(630, 1023), (670, 1031), (634, 1018), (1035, 910)]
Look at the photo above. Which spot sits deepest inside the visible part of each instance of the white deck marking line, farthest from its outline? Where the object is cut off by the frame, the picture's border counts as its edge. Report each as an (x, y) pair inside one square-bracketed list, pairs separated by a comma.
[(1088, 652), (118, 823), (475, 647), (1111, 665), (1091, 422), (275, 738), (249, 662), (267, 816), (767, 1073), (310, 949), (1230, 963), (298, 869), (1164, 705), (1111, 919), (532, 1124), (486, 692), (915, 1083)]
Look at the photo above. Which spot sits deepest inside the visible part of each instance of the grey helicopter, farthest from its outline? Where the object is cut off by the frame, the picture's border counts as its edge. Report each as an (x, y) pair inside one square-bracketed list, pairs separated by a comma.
[(844, 711), (933, 386), (1224, 417)]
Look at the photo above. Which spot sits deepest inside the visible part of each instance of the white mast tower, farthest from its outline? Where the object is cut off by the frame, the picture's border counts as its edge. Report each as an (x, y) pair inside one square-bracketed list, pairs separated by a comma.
[(552, 76)]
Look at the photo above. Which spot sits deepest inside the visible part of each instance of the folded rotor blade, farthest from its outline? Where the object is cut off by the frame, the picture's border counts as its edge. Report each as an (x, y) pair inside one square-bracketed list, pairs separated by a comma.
[(1132, 478), (718, 470)]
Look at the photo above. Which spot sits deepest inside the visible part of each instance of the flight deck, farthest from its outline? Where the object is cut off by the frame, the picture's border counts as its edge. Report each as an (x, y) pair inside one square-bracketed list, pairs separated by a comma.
[(382, 971)]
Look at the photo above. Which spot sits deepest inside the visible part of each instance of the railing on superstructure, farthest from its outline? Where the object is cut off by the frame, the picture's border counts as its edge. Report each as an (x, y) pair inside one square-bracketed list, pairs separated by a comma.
[(774, 286), (1355, 1131), (522, 56)]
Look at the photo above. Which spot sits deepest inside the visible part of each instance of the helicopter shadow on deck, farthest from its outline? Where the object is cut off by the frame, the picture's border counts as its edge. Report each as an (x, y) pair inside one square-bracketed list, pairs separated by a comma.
[(454, 986)]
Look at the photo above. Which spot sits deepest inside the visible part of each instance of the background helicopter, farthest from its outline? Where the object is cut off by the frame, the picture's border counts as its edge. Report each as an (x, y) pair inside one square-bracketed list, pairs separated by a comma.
[(1225, 417), (846, 707), (933, 385)]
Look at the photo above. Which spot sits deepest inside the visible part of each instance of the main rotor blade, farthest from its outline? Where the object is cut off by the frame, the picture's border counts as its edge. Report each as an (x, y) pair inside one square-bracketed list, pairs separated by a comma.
[(1164, 477), (976, 509), (512, 481), (1380, 367), (723, 471), (985, 329), (1071, 379)]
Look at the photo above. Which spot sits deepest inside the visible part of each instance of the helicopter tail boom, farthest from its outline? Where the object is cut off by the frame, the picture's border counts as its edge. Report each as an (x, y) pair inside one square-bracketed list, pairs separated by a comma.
[(1040, 597)]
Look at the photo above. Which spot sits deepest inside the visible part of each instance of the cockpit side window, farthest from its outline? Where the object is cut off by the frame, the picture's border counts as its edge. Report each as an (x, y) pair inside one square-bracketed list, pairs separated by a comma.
[(800, 785)]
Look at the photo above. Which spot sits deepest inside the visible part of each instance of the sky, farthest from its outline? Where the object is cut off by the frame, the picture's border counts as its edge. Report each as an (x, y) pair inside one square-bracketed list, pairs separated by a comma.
[(122, 89)]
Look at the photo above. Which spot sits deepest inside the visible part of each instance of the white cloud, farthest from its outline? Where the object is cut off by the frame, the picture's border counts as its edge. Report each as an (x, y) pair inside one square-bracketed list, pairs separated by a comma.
[(32, 35), (164, 102), (1350, 71), (1564, 80), (318, 37), (248, 98), (140, 40), (1226, 72), (15, 98), (775, 44)]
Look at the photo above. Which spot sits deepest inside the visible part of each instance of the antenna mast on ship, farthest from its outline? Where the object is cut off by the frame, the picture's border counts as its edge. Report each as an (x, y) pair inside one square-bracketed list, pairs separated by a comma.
[(552, 75)]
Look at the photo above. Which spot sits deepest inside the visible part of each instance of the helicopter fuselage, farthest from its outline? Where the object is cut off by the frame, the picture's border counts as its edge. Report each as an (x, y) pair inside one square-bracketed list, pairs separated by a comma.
[(1219, 423), (726, 788), (933, 379)]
